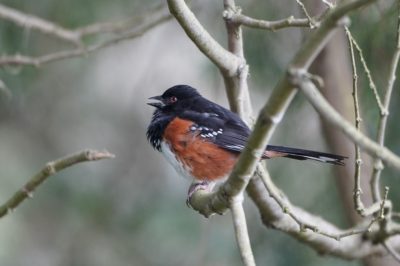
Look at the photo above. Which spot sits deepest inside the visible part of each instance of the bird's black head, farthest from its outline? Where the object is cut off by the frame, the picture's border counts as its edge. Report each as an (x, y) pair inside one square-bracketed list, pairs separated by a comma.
[(174, 97)]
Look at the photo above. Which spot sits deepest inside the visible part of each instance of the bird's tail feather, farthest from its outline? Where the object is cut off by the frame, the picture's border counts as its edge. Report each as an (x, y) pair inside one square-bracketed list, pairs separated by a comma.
[(300, 154)]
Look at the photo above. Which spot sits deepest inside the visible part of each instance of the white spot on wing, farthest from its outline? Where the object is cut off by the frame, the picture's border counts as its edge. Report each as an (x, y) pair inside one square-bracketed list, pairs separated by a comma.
[(235, 147)]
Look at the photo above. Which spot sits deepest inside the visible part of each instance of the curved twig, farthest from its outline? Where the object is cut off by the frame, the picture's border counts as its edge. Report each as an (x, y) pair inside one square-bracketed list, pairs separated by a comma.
[(50, 169)]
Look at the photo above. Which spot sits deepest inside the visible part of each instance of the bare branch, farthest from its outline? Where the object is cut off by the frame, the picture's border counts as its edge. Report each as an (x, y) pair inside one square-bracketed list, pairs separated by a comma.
[(358, 204), (391, 251), (44, 26), (123, 25), (265, 24), (367, 72), (378, 166), (236, 86), (311, 22), (352, 247), (210, 203), (50, 169), (224, 60), (242, 235), (38, 61), (312, 225), (301, 80)]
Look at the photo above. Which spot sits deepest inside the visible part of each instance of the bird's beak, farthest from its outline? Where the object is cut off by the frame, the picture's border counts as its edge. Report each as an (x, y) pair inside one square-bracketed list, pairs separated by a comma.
[(158, 104)]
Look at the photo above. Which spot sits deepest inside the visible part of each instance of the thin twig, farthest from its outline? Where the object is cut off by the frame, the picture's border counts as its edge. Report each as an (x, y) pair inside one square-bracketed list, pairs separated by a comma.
[(328, 4), (286, 207), (38, 61), (50, 169), (358, 204), (123, 25), (75, 36), (367, 72), (311, 21), (265, 24), (378, 165), (36, 23), (241, 233), (391, 251)]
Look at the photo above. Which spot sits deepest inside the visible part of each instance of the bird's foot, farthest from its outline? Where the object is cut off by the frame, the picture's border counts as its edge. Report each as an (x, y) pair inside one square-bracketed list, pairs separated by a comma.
[(195, 186)]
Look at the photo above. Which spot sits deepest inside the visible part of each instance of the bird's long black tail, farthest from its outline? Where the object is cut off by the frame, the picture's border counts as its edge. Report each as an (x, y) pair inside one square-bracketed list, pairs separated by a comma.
[(300, 154)]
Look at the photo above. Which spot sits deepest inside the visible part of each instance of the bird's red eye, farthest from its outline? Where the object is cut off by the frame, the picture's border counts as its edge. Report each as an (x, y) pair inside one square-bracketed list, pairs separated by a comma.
[(173, 99)]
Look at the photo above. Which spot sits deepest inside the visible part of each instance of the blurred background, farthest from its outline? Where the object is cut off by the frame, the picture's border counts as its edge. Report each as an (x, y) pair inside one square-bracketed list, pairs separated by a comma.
[(131, 210)]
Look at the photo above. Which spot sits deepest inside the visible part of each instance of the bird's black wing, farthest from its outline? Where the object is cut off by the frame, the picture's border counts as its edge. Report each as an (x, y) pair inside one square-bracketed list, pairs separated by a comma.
[(217, 124)]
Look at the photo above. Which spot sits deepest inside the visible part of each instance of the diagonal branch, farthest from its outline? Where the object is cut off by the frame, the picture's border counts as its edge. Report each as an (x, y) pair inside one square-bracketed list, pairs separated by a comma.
[(272, 214), (300, 80), (378, 166), (34, 22), (224, 60), (270, 115), (352, 247), (50, 169)]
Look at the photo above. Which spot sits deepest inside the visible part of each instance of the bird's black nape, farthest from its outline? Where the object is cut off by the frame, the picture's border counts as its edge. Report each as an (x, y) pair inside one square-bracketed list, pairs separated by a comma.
[(181, 92)]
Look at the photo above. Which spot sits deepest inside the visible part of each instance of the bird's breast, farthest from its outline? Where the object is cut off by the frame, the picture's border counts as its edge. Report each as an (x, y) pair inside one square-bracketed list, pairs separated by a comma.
[(193, 156)]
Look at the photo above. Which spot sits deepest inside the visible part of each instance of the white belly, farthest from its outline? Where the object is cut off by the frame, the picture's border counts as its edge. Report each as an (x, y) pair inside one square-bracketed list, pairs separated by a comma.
[(182, 169)]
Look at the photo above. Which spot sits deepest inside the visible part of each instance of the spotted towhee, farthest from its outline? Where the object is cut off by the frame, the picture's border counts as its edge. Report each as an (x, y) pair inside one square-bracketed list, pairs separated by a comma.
[(203, 140)]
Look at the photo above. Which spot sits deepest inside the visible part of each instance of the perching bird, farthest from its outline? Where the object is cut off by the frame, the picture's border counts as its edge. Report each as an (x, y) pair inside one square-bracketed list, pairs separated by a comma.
[(202, 140)]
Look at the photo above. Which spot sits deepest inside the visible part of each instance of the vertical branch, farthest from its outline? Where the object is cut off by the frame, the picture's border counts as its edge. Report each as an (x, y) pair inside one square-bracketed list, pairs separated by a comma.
[(241, 233), (239, 99), (378, 165), (236, 85), (358, 204)]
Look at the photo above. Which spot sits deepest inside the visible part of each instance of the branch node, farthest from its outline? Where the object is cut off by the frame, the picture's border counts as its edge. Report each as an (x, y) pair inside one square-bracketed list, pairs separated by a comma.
[(384, 112), (286, 209), (50, 169), (378, 165), (358, 192), (28, 192), (227, 14)]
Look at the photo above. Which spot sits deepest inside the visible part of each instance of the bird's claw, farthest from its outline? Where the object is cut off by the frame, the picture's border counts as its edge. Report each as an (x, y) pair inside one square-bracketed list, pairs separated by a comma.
[(195, 186)]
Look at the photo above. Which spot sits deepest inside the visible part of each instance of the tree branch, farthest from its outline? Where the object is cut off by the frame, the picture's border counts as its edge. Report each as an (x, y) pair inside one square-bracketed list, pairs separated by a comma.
[(265, 24), (378, 166), (138, 30), (241, 233), (50, 169), (208, 204), (44, 26), (300, 80), (352, 247), (392, 251), (224, 60)]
